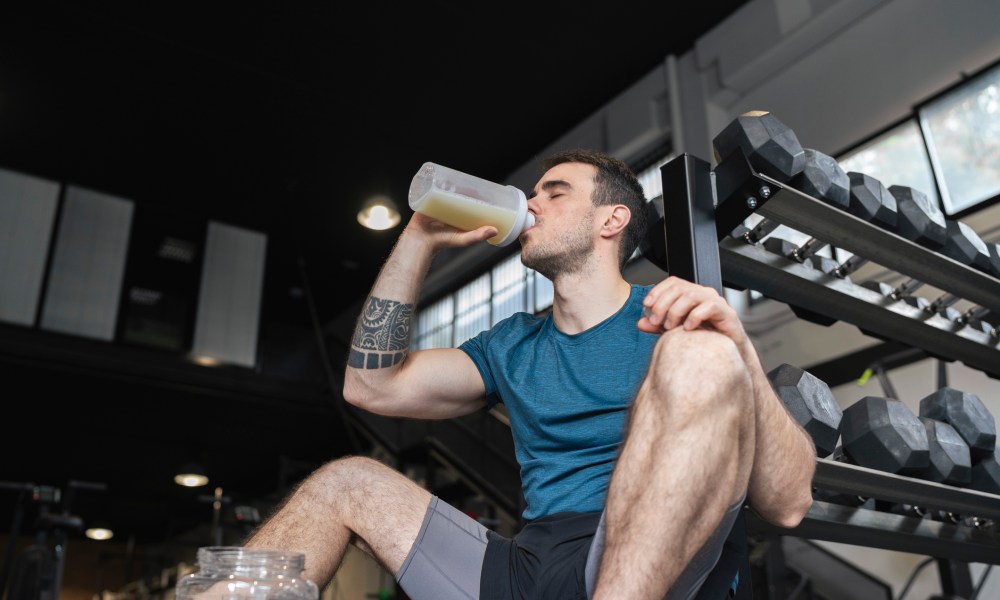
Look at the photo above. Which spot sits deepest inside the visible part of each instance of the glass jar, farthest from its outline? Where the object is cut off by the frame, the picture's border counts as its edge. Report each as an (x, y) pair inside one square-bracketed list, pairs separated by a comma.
[(229, 572)]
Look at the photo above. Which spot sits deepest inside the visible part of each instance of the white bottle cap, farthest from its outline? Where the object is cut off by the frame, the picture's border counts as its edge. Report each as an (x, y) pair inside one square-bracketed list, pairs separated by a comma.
[(522, 221)]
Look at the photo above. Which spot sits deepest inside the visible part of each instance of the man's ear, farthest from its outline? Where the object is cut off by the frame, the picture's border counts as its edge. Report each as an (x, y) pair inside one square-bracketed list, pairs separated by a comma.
[(616, 220)]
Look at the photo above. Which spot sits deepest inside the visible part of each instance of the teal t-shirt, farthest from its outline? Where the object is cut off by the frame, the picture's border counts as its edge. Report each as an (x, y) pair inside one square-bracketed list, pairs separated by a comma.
[(566, 396)]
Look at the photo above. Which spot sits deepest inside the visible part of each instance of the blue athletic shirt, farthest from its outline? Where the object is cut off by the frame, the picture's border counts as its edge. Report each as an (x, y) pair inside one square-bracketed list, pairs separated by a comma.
[(566, 396)]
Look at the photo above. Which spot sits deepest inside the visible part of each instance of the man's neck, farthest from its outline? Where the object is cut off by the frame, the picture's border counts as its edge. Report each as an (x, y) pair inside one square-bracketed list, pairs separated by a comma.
[(582, 300)]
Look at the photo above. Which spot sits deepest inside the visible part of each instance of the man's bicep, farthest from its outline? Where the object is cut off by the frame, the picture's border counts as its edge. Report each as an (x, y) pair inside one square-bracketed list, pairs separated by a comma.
[(440, 383)]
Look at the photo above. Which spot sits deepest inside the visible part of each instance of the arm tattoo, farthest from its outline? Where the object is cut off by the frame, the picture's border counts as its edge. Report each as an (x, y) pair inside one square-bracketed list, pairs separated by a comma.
[(382, 336)]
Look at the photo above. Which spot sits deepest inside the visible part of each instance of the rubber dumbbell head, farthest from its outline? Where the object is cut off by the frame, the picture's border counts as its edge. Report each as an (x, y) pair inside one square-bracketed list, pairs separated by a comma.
[(883, 434), (871, 201), (994, 250), (967, 414), (880, 287), (824, 179), (918, 218), (811, 402), (770, 146), (780, 246), (986, 474), (965, 246), (950, 461)]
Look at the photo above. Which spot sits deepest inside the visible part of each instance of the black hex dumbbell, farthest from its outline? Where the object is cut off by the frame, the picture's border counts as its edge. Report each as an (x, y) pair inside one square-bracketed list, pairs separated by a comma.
[(883, 434), (974, 423), (811, 402), (770, 146)]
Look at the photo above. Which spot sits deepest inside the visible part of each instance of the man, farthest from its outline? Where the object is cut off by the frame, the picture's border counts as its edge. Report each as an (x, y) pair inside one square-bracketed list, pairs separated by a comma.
[(641, 415)]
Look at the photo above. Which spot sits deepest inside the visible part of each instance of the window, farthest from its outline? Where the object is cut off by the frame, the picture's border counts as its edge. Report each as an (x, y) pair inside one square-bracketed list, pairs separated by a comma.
[(507, 288), (472, 308), (962, 128), (896, 157), (651, 180), (434, 325)]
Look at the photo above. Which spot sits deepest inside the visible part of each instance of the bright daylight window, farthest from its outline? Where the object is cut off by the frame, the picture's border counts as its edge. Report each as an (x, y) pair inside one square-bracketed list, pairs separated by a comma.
[(897, 157), (495, 295), (963, 136)]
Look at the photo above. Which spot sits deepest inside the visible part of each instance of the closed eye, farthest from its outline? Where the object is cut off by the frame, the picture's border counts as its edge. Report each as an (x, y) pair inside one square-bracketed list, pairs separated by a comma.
[(556, 187)]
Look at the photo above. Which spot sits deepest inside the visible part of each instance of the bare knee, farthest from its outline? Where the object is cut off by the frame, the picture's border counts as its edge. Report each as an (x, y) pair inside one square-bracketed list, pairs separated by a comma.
[(342, 477), (700, 369)]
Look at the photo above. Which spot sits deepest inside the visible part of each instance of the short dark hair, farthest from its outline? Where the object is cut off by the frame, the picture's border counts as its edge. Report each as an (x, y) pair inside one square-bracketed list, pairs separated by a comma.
[(615, 183)]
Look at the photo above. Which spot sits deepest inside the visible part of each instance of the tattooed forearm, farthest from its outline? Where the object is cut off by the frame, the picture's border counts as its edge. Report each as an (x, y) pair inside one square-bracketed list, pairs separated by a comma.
[(382, 336)]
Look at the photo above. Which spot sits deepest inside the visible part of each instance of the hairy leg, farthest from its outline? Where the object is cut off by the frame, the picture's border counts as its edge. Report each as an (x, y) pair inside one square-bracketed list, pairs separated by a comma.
[(351, 500), (686, 459)]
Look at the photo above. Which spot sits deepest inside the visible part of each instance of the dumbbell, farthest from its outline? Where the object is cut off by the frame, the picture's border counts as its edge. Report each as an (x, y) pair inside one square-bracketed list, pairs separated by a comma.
[(806, 254), (965, 246), (986, 474), (823, 178), (870, 200), (972, 421), (918, 219), (950, 458), (883, 434), (994, 250), (903, 292), (811, 402), (975, 317), (770, 146), (774, 150)]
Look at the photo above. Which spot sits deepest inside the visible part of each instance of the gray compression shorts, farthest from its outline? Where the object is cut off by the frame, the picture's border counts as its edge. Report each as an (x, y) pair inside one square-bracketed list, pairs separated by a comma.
[(446, 559)]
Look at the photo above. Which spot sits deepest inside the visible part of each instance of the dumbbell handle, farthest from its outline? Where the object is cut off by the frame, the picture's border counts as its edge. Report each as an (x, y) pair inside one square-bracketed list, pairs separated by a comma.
[(975, 312), (906, 288), (810, 247), (764, 228), (850, 265), (767, 226)]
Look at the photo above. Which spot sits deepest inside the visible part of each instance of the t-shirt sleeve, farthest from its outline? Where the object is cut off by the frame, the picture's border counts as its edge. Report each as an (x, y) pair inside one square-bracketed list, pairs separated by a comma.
[(476, 348)]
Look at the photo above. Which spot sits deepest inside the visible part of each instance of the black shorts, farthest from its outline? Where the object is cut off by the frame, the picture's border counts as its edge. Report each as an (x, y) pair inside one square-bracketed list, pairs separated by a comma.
[(546, 559)]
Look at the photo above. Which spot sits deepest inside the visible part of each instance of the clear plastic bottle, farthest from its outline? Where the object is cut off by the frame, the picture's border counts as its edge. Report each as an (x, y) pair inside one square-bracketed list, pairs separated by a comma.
[(469, 202), (230, 572)]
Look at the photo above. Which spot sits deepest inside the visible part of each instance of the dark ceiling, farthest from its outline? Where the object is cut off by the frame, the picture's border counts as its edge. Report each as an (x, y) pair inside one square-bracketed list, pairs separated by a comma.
[(281, 118)]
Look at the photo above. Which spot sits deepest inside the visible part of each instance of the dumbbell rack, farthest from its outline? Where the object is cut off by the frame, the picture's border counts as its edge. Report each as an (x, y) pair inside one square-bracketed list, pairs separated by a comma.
[(705, 206)]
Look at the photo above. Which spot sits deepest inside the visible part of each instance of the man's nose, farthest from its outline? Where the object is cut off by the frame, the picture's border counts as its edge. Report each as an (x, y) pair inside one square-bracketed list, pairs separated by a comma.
[(533, 204)]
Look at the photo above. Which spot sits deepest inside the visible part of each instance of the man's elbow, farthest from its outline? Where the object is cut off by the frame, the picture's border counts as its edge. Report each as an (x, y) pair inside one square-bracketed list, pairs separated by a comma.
[(793, 511), (356, 393)]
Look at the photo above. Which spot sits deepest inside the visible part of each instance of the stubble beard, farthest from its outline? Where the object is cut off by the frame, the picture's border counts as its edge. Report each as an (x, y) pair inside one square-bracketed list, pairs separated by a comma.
[(566, 255)]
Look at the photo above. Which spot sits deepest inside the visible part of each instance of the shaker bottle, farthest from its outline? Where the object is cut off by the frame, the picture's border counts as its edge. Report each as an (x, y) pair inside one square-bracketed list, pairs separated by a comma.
[(467, 202)]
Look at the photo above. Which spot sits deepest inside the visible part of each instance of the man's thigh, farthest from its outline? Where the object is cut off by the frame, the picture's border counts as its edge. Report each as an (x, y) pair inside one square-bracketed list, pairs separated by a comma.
[(696, 572), (446, 560)]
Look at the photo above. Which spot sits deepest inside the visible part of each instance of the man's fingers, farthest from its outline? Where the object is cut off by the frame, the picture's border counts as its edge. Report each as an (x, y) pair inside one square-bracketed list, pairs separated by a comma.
[(679, 309), (700, 314)]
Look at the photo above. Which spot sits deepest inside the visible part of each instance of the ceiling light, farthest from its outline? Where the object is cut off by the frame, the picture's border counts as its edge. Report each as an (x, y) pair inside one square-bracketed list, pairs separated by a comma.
[(379, 213), (191, 475), (205, 361), (99, 532)]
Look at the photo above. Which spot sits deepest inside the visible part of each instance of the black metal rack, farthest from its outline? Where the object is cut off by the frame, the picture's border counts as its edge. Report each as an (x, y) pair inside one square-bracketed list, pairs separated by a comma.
[(704, 206)]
